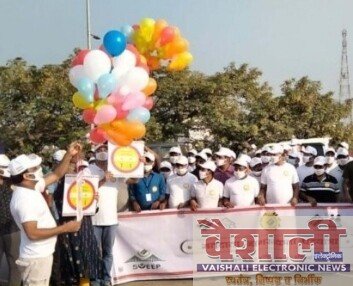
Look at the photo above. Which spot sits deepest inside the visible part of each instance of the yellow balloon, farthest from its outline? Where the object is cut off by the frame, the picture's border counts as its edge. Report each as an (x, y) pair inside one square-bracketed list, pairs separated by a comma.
[(99, 103), (180, 61), (79, 102), (147, 28)]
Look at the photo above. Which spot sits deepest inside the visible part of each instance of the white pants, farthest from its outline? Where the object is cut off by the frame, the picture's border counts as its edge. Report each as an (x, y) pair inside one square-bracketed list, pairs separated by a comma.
[(35, 271)]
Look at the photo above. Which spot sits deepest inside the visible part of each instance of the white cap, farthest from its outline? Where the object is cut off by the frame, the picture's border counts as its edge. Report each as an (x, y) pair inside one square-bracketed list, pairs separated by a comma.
[(82, 163), (287, 147), (258, 152), (175, 149), (150, 156), (182, 160), (294, 154), (92, 159), (209, 165), (207, 151), (330, 149), (59, 155), (226, 152), (166, 164), (242, 161), (310, 150), (342, 151), (344, 145), (253, 146), (320, 161), (232, 154), (276, 149), (21, 164), (4, 172), (266, 149), (255, 161), (99, 146), (4, 160), (202, 155), (193, 151), (35, 159)]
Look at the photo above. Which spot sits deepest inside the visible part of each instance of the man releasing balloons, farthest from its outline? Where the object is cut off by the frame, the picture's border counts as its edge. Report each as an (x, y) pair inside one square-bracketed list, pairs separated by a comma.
[(113, 83)]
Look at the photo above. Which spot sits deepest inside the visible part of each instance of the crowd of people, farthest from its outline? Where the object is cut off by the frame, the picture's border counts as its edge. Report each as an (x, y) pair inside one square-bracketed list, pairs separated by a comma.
[(42, 246)]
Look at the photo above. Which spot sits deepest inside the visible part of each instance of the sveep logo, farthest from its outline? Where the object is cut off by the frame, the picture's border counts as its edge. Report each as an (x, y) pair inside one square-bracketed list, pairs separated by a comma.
[(144, 259)]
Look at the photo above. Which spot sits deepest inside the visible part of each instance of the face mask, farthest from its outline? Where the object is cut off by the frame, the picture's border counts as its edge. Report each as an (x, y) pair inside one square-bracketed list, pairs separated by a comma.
[(191, 160), (102, 156), (191, 168), (275, 159), (202, 174), (220, 162), (40, 186), (173, 159), (292, 161), (181, 171), (148, 168), (330, 159), (306, 159), (265, 159), (342, 162), (319, 172), (239, 174), (37, 175), (257, 173), (166, 174)]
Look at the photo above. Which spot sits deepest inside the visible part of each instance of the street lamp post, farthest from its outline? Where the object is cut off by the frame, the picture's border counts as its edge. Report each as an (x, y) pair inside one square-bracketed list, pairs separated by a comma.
[(88, 24)]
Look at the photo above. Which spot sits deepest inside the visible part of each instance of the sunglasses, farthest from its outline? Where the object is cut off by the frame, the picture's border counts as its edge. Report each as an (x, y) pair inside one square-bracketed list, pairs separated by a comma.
[(318, 167)]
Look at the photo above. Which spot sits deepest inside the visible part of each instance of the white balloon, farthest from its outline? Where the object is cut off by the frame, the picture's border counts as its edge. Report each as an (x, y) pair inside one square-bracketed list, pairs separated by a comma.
[(96, 63), (126, 60), (135, 79), (76, 73)]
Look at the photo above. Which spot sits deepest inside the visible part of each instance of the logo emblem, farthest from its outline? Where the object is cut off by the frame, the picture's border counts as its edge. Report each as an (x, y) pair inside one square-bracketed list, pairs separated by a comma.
[(144, 259), (246, 187), (154, 189), (87, 195), (126, 159), (270, 220)]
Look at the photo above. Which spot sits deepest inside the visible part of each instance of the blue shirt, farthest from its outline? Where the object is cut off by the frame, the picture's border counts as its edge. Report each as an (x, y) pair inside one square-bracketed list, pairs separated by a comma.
[(148, 190)]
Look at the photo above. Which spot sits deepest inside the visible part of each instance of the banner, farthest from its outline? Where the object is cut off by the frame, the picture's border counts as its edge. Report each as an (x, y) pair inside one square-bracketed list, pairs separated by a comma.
[(80, 193), (155, 245), (125, 161)]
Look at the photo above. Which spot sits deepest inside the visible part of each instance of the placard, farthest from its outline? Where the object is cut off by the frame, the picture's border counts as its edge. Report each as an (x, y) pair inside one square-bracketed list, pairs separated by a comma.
[(125, 161), (83, 190)]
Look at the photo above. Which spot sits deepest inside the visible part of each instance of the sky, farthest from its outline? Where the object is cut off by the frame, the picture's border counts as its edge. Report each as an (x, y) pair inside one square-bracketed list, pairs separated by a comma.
[(283, 38)]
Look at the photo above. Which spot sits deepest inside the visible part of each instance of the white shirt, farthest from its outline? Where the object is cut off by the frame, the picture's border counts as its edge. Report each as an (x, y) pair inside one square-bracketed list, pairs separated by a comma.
[(333, 166), (304, 171), (108, 198), (337, 172), (179, 189), (29, 205), (207, 195), (279, 180), (241, 192), (257, 178)]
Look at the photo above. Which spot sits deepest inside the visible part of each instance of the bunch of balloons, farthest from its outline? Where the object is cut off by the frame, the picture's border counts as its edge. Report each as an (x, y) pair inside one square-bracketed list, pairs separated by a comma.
[(113, 89), (160, 44)]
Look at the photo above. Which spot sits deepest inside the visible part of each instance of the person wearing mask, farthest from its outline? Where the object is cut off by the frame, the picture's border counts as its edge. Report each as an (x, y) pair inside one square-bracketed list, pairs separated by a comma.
[(265, 156), (208, 152), (166, 169), (207, 192), (9, 232), (342, 159), (256, 168), (297, 148), (294, 158), (320, 187), (242, 189), (32, 216), (233, 156), (192, 160), (201, 158), (224, 169), (179, 185), (279, 181), (105, 221), (346, 165), (174, 154), (309, 154), (148, 193), (331, 163)]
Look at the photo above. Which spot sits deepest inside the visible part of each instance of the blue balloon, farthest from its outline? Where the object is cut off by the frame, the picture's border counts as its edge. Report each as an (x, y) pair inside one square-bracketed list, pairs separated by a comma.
[(127, 30), (106, 84), (86, 87), (114, 42), (139, 114)]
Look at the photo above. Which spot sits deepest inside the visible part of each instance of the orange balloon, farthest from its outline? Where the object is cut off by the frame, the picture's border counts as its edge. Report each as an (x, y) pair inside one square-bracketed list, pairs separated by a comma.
[(119, 125), (159, 25), (153, 63), (151, 87), (179, 45), (136, 130), (118, 138)]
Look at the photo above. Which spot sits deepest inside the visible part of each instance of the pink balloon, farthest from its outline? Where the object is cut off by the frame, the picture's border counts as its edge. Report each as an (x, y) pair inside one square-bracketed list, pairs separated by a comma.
[(105, 114), (149, 103), (97, 136), (133, 100), (88, 115), (116, 99)]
